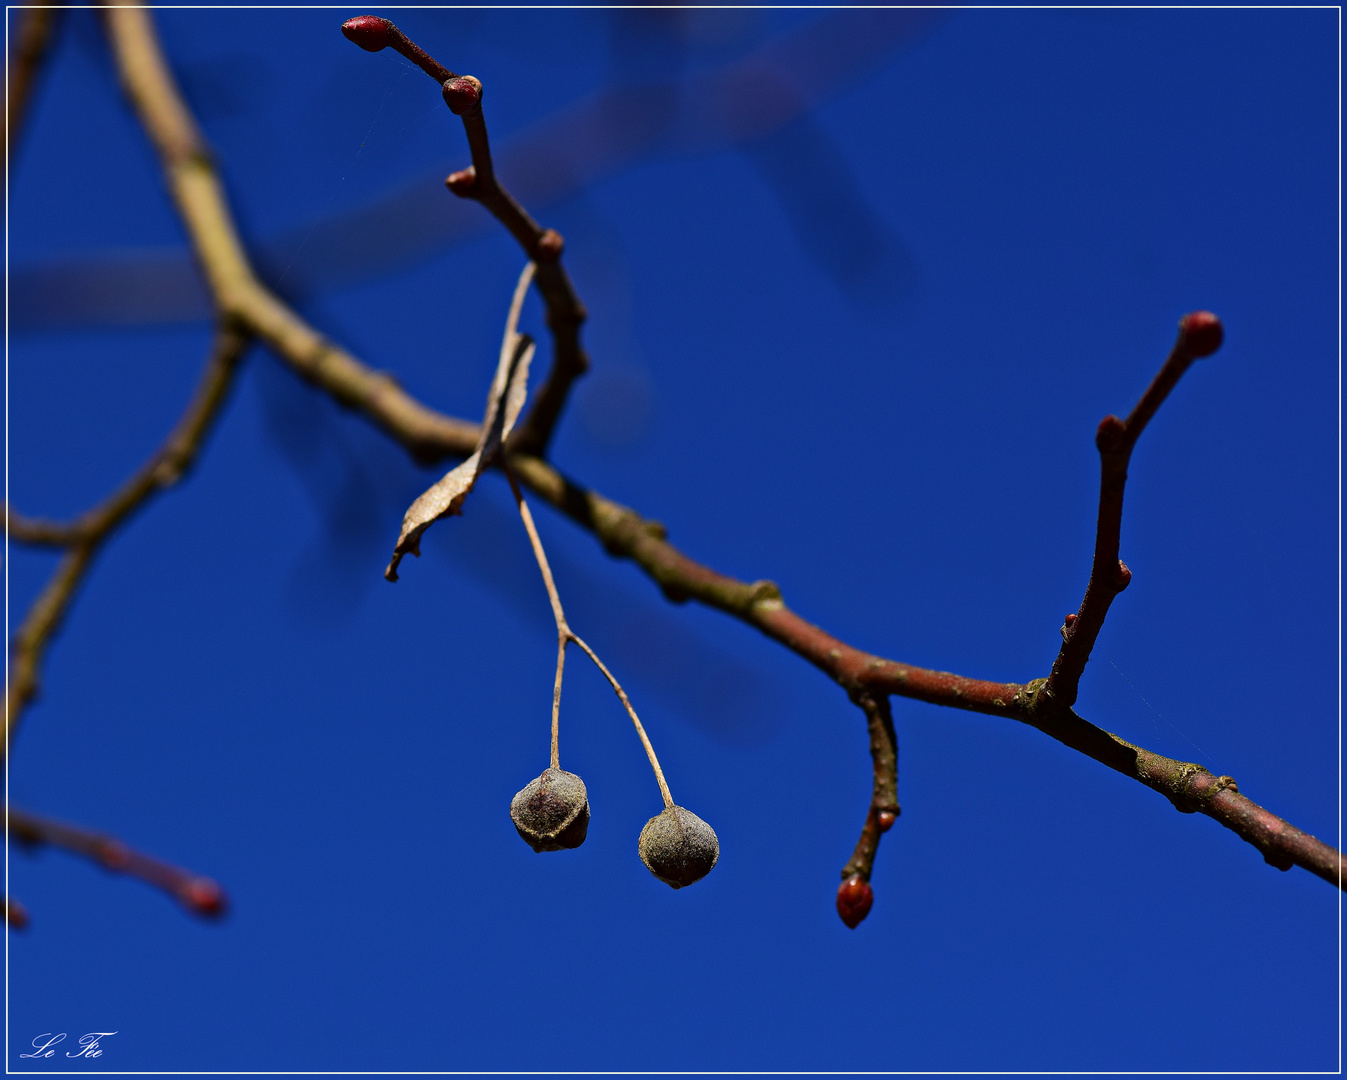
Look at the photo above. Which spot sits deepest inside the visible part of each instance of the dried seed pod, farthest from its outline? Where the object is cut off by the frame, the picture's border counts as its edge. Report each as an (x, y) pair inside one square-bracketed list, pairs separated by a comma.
[(552, 812), (678, 847)]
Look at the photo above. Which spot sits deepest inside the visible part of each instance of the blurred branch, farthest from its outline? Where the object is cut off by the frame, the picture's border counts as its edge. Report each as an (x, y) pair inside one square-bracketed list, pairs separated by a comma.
[(199, 895), (16, 915), (1200, 334), (565, 312), (83, 537), (32, 41), (429, 435)]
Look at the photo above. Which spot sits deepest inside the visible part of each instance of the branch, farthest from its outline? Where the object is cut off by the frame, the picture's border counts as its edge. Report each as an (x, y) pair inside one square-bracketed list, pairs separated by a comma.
[(1200, 334), (429, 435), (199, 895), (83, 537), (32, 41), (565, 312), (854, 895)]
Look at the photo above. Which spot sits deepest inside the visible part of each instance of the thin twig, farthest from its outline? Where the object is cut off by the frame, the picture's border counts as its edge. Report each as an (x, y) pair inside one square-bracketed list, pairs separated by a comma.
[(1199, 335), (429, 436), (85, 535), (32, 43), (883, 807), (199, 895), (565, 312)]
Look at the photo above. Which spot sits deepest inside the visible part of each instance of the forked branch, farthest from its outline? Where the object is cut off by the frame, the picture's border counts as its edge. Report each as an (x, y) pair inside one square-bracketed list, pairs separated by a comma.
[(199, 895)]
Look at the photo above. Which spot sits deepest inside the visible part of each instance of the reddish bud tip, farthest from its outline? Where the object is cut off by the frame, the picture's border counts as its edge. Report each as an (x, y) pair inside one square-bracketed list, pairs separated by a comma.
[(885, 819), (1201, 333), (462, 182), (1071, 619), (462, 93), (202, 896), (370, 32), (550, 246), (16, 915), (1111, 435), (1124, 576), (854, 900)]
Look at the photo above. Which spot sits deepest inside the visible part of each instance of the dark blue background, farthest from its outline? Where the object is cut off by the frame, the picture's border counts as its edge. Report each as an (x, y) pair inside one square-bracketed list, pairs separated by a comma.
[(862, 353)]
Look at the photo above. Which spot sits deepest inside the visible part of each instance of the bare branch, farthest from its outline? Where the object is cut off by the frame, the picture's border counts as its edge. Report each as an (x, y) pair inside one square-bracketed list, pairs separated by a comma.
[(1200, 334), (83, 537), (565, 312), (199, 895), (32, 41), (429, 435)]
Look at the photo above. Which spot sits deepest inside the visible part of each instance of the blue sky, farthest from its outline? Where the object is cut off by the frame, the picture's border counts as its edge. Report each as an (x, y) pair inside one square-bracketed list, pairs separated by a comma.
[(859, 349)]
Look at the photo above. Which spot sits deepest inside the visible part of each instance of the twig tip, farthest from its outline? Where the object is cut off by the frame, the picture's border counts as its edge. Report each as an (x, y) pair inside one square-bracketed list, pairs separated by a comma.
[(1201, 333), (370, 32), (854, 900), (203, 896), (462, 94)]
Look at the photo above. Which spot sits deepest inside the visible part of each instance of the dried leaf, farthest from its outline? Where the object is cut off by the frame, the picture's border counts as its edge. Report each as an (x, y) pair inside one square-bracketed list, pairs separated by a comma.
[(509, 389)]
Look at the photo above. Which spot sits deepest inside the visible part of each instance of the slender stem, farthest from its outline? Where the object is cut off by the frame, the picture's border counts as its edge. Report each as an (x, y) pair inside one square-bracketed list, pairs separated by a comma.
[(565, 633), (538, 552), (562, 640), (626, 703)]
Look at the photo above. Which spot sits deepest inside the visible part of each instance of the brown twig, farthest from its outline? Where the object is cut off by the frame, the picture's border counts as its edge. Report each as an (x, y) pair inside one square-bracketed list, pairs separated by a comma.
[(32, 41), (83, 537), (199, 895), (565, 312), (429, 435), (854, 895), (1200, 334)]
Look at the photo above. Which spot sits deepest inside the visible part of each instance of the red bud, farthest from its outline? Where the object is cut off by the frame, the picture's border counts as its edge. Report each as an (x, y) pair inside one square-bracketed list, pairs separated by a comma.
[(462, 93), (1071, 619), (1202, 333), (854, 900), (1124, 576), (203, 897), (370, 32), (885, 819), (1111, 435), (462, 182), (550, 245)]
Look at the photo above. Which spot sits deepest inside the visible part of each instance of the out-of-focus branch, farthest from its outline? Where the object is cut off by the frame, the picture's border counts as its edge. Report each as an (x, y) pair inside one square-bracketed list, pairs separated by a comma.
[(565, 312), (1200, 334), (16, 915), (199, 895), (83, 537), (429, 435), (32, 40)]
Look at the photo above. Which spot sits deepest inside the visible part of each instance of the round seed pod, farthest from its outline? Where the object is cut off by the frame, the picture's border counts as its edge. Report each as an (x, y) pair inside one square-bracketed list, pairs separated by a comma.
[(678, 847), (552, 812)]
